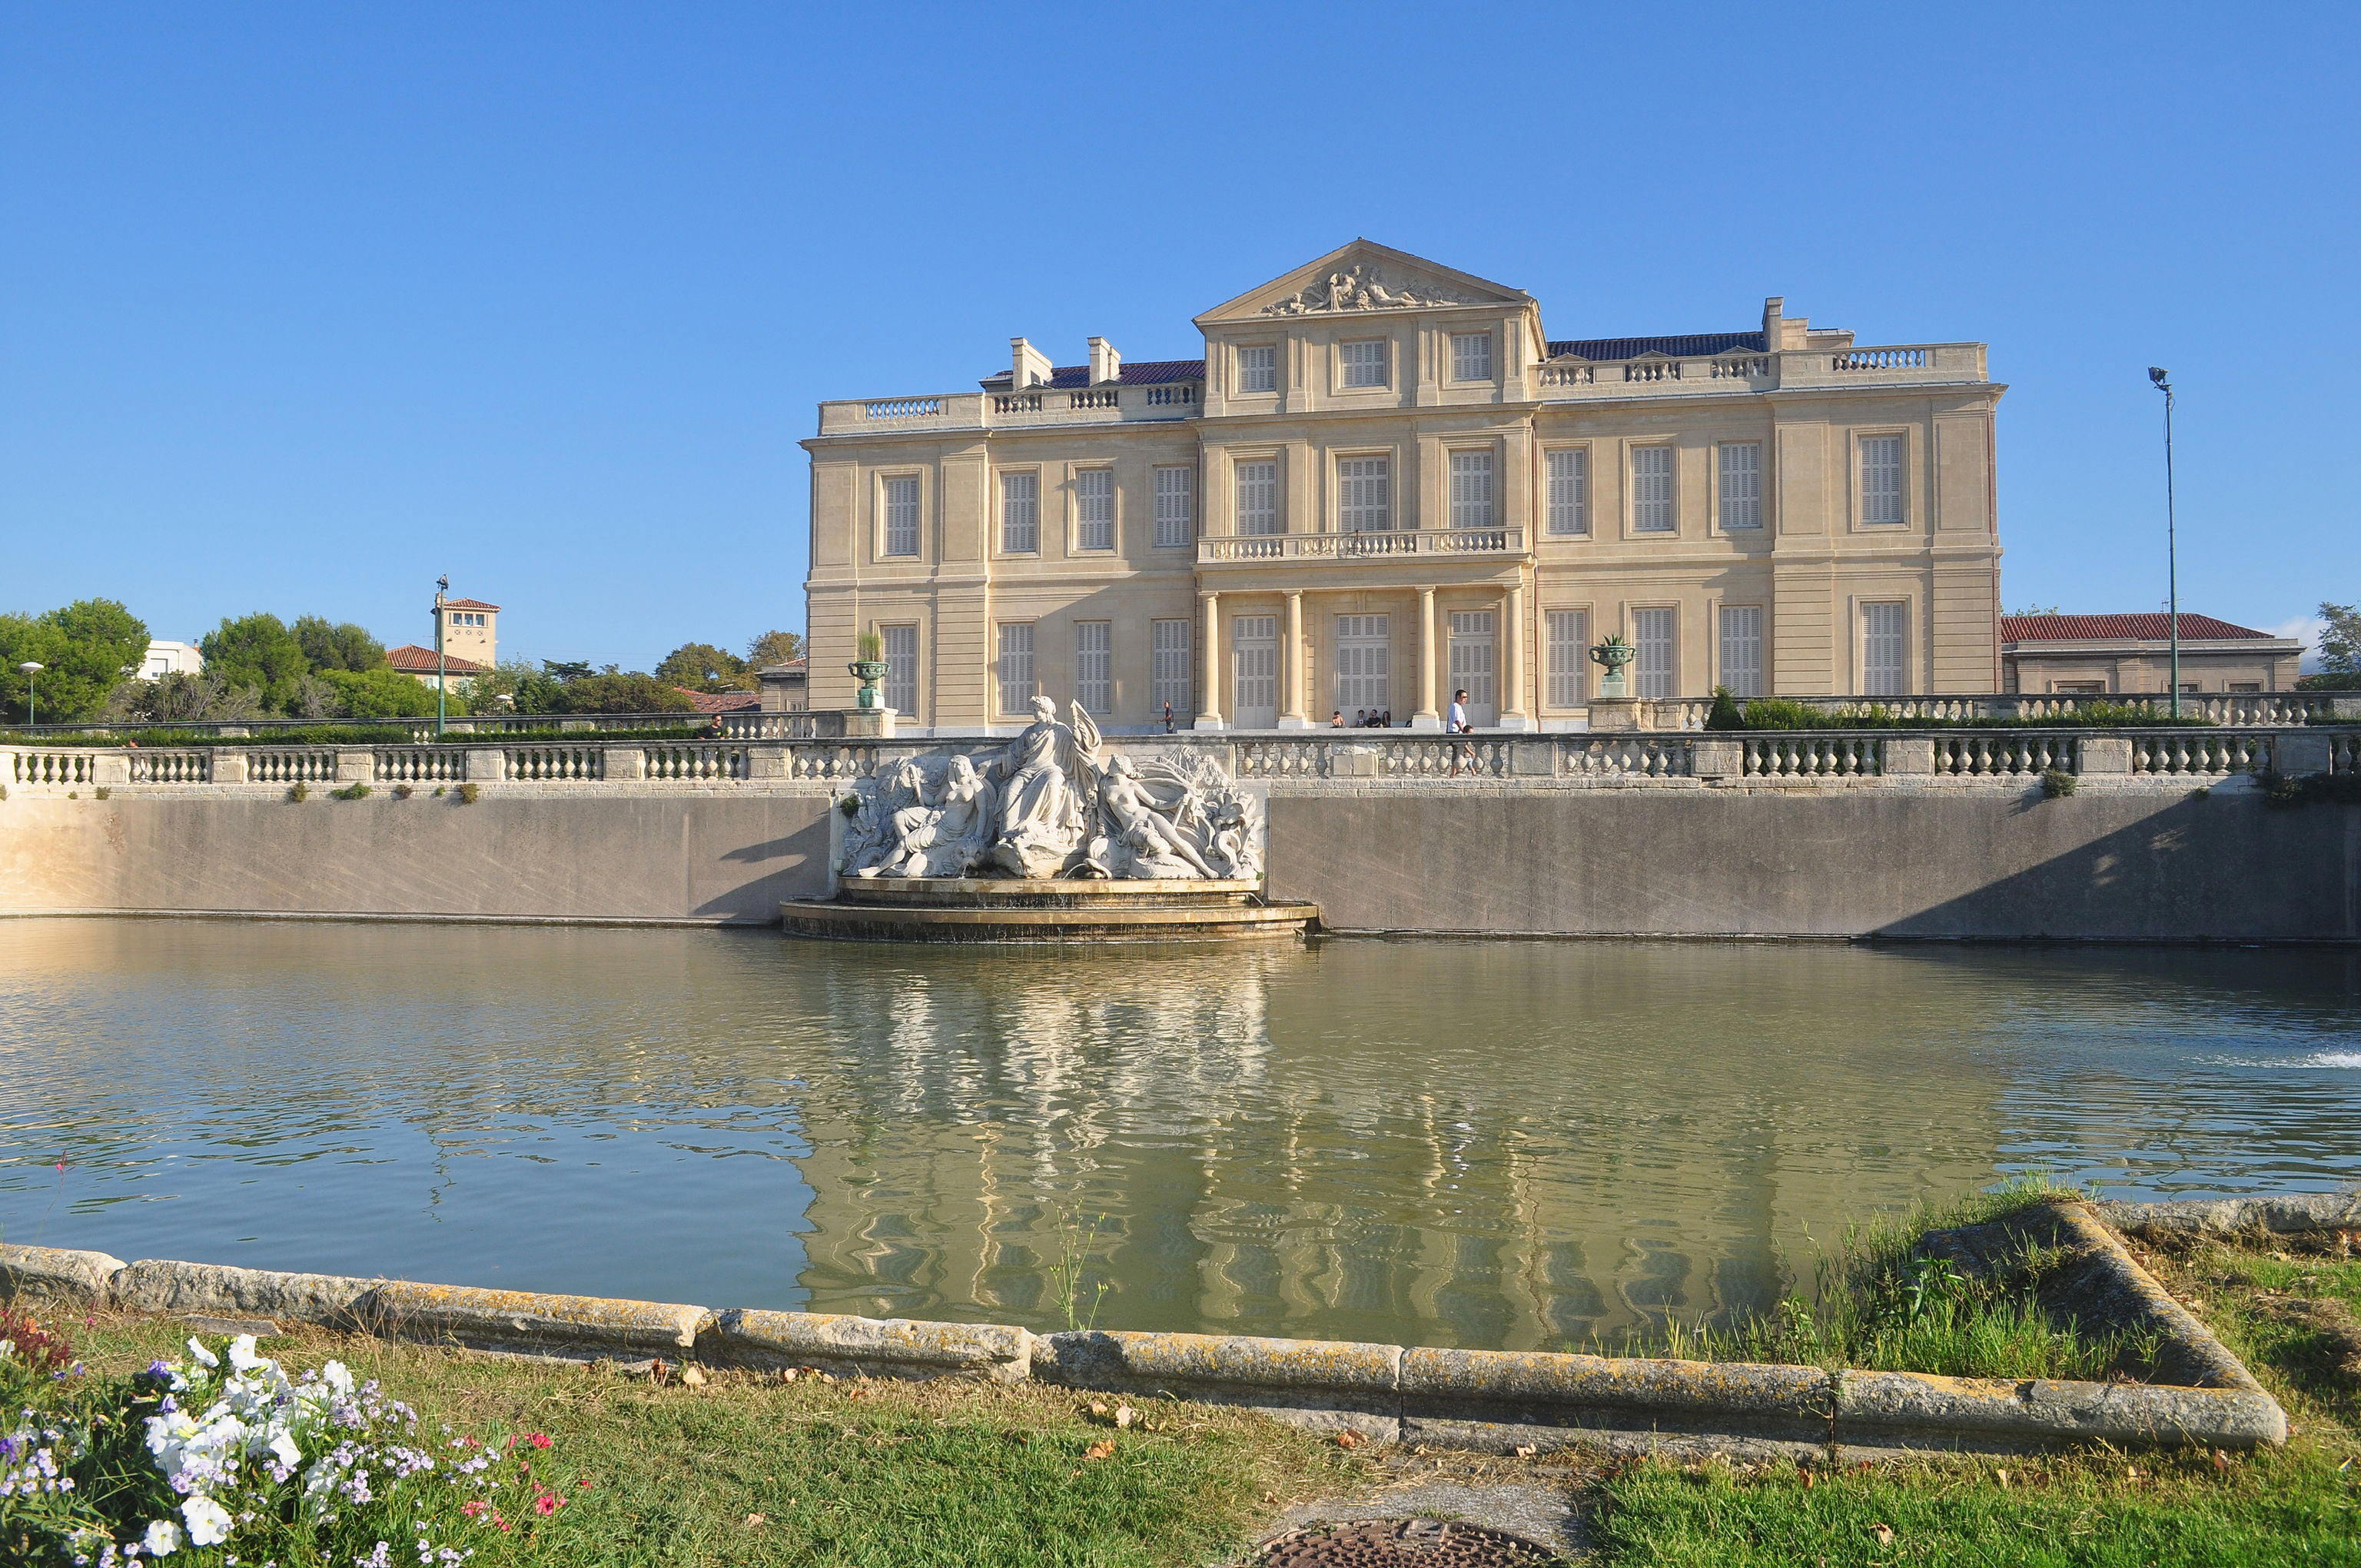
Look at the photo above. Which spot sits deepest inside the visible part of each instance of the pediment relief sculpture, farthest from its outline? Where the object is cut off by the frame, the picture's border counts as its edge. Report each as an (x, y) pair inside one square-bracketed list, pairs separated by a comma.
[(1054, 803), (1361, 288)]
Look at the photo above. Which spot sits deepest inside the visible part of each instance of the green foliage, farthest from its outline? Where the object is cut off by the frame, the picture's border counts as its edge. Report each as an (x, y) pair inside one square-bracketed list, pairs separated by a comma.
[(774, 648), (386, 692), (617, 693), (259, 653), (178, 698), (343, 646), (2037, 609), (869, 646), (354, 791), (468, 792), (2310, 789), (1725, 713), (85, 649), (1784, 713), (2056, 781), (2340, 640), (2326, 683), (563, 669), (299, 792), (700, 666)]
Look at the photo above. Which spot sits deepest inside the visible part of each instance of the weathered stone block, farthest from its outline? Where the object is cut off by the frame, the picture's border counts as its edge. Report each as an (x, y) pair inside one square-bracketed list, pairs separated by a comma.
[(1911, 1410), (1908, 754), (1534, 759), (626, 762), (766, 761), (228, 766), (163, 1286), (487, 764), (355, 765), (1324, 1385), (56, 1275), (2297, 753), (566, 1327), (110, 768), (871, 1347), (1715, 759), (2104, 754)]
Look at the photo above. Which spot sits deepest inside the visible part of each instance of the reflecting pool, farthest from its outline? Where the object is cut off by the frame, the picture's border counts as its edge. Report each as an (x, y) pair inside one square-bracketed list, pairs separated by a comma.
[(1484, 1143)]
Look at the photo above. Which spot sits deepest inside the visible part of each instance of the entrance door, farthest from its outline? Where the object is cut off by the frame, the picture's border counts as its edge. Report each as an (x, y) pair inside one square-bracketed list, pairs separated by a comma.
[(1472, 666), (1363, 644), (1254, 670)]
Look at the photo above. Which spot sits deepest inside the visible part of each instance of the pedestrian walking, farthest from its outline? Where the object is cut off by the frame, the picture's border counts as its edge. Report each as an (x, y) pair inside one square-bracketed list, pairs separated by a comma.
[(1168, 717), (1458, 725)]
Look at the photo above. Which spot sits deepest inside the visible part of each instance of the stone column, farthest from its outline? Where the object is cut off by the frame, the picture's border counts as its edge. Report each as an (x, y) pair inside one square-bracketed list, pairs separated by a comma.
[(1512, 703), (1291, 666), (1428, 716), (1208, 658)]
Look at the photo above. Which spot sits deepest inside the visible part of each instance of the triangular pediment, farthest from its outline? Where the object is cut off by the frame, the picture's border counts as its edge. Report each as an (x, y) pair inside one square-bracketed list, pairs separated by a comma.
[(1365, 276)]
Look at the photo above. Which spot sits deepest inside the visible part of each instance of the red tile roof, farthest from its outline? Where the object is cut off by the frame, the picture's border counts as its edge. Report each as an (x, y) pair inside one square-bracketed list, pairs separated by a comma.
[(2143, 627), (413, 659), (721, 702), (467, 604)]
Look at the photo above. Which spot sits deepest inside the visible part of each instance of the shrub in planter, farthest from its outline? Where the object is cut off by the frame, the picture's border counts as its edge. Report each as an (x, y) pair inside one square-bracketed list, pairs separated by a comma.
[(1725, 714)]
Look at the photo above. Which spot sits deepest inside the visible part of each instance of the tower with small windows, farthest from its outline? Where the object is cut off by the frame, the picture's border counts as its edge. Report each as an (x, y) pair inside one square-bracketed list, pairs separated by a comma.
[(470, 629)]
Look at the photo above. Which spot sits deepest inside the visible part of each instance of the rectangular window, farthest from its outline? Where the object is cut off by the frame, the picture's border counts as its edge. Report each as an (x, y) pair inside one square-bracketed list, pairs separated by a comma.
[(1365, 362), (1471, 356), (1471, 490), (1169, 641), (1569, 502), (1742, 649), (1020, 513), (1258, 497), (1254, 670), (1016, 684), (1885, 648), (901, 666), (1651, 489), (1567, 632), (1881, 479), (1363, 495), (1741, 483), (1363, 657), (902, 516), (1653, 638), (1094, 665), (1095, 508), (1176, 506), (1259, 369)]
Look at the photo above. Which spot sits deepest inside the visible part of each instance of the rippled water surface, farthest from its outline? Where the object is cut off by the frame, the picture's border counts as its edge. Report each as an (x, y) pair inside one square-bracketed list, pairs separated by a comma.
[(1493, 1144)]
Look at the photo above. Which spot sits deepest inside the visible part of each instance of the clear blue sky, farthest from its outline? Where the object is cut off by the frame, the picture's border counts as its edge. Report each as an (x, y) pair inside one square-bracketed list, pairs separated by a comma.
[(305, 304)]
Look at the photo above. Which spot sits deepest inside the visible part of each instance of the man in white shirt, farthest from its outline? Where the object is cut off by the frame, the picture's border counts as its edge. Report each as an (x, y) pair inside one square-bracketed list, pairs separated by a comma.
[(1458, 725)]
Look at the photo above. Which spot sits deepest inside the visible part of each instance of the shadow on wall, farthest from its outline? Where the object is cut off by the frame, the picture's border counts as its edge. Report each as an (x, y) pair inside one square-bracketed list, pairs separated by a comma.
[(802, 874)]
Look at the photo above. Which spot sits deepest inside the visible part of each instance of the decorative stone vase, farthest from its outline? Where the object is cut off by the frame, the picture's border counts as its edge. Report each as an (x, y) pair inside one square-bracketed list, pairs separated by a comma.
[(869, 673), (1614, 656)]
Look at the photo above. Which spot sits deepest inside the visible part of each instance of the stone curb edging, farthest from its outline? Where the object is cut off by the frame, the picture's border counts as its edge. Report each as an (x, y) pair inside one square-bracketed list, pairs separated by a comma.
[(2282, 1214), (1492, 1400)]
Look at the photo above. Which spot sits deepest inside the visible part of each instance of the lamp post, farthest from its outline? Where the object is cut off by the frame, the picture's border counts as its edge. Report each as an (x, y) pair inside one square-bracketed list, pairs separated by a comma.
[(2159, 378), (32, 715), (442, 587)]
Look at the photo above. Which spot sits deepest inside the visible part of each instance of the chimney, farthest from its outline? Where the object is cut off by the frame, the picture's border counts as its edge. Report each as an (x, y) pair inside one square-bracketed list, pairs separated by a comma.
[(1772, 309), (1028, 367), (1107, 365)]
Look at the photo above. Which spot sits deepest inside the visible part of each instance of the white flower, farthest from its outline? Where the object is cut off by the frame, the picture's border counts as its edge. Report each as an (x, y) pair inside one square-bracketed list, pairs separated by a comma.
[(336, 1376), (283, 1445), (163, 1539), (209, 1522), (242, 1357), (202, 1355)]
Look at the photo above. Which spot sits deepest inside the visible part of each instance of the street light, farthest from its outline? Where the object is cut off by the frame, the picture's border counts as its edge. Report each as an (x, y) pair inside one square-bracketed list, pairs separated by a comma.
[(2157, 377), (30, 669), (442, 587)]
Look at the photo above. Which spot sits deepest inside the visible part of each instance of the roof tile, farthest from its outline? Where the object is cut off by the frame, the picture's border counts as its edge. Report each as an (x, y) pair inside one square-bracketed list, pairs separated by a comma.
[(413, 659), (2151, 626)]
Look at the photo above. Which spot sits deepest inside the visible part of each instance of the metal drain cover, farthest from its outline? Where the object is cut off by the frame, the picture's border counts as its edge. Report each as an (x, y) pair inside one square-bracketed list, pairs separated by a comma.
[(1402, 1543)]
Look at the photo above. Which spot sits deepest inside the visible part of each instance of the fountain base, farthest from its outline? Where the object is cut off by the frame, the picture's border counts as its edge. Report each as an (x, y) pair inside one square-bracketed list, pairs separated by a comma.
[(982, 909)]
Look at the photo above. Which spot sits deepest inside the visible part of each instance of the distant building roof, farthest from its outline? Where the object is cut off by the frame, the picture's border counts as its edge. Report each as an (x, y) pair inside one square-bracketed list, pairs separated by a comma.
[(1691, 346), (721, 702), (791, 669), (413, 659), (1147, 373), (2140, 628), (467, 604)]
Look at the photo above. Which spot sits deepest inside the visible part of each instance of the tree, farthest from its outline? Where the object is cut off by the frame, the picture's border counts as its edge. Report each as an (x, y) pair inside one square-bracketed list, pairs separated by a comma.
[(632, 692), (386, 692), (86, 650), (529, 687), (2037, 609), (2339, 650), (565, 669), (256, 650), (180, 698), (700, 666), (343, 646), (774, 648)]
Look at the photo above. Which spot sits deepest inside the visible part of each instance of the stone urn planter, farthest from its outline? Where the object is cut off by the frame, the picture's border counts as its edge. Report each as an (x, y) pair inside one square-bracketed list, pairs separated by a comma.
[(869, 673)]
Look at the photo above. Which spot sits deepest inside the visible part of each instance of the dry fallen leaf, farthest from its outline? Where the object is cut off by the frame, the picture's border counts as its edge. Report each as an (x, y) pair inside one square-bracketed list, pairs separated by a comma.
[(1100, 1450), (1524, 1450), (1124, 1416), (1809, 1480), (1883, 1532), (2221, 1460), (2002, 1476), (786, 1374), (755, 1521), (1348, 1440), (693, 1376)]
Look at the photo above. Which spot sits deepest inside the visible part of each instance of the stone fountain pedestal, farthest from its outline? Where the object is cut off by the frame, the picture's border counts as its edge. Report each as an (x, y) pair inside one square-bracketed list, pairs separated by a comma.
[(982, 909)]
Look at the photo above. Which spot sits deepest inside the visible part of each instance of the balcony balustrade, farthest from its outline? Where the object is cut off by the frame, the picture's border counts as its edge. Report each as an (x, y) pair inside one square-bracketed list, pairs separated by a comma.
[(1392, 545)]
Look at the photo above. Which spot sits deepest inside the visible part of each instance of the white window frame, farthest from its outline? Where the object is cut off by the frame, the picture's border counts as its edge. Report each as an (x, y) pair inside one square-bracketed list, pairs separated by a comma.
[(1257, 362), (1095, 666), (1018, 684), (1883, 507), (1471, 358), (893, 527), (1172, 654), (1360, 356), (1020, 523), (1093, 511), (1565, 652), (1884, 679), (1665, 510), (1475, 474), (1566, 493), (1257, 635), (1738, 476), (1176, 506), (1737, 629), (1249, 478), (1359, 686), (901, 649), (1647, 681), (1365, 493)]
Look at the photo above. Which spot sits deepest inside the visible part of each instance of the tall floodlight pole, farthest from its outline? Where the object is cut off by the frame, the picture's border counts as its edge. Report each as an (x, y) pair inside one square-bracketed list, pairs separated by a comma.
[(32, 714), (2159, 378), (442, 587)]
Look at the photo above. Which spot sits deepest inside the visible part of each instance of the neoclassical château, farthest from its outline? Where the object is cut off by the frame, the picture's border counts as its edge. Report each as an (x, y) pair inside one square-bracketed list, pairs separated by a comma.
[(1385, 481)]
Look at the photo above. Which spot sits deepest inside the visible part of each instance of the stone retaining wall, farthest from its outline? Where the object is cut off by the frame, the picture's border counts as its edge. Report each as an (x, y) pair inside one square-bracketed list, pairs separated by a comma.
[(1494, 1400)]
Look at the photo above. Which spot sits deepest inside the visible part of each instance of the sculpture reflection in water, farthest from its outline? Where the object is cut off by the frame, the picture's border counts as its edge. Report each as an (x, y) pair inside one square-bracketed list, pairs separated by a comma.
[(1054, 802)]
